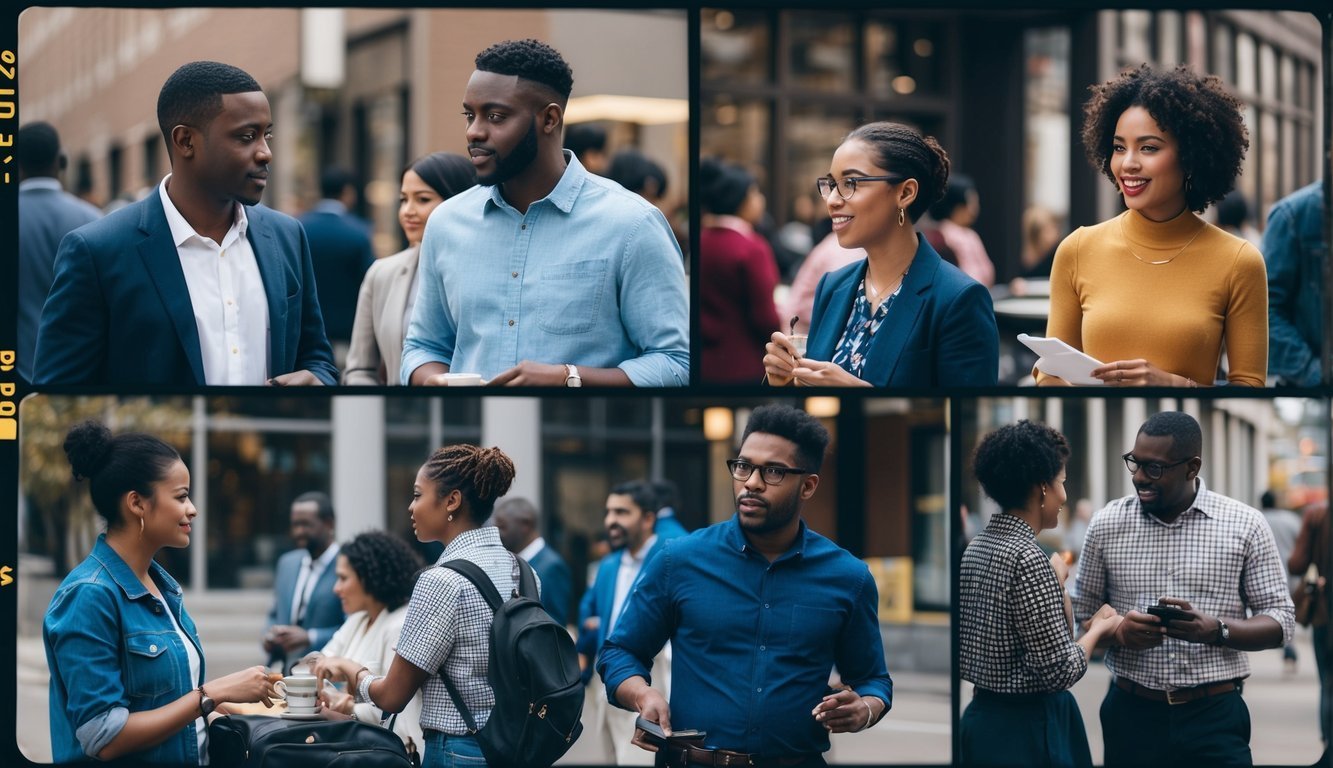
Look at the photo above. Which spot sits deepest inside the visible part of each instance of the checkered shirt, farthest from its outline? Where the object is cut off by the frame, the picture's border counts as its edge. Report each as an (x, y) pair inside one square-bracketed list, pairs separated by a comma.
[(448, 624), (1013, 636), (1219, 555)]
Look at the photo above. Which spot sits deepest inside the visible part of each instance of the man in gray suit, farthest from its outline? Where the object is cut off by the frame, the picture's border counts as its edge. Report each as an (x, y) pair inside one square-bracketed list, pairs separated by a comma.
[(305, 611), (520, 531), (46, 213)]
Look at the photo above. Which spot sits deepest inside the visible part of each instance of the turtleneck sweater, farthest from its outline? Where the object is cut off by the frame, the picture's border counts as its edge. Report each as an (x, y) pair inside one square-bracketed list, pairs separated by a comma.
[(1107, 300)]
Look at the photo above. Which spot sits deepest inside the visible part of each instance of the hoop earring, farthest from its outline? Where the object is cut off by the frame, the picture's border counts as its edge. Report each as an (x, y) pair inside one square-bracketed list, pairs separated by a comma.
[(902, 217), (141, 528)]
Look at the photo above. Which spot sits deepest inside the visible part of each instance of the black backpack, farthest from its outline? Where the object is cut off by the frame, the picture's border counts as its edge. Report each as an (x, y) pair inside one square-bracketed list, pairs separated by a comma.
[(259, 741), (534, 671)]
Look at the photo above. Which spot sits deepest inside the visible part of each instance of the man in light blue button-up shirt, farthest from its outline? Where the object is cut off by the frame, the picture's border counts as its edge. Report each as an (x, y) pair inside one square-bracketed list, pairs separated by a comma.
[(545, 275)]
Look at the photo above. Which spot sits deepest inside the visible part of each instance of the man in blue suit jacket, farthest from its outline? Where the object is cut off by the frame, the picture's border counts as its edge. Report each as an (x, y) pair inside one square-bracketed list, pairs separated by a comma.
[(305, 611), (46, 214), (518, 522), (195, 284), (668, 526), (631, 514), (341, 251)]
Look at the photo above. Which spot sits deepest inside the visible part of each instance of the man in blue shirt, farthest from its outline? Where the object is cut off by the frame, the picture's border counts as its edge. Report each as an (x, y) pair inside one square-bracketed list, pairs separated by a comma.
[(758, 609), (544, 274), (1294, 251)]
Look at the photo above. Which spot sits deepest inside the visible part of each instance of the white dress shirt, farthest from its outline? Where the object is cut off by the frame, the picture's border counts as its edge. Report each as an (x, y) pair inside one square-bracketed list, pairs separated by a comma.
[(227, 295), (631, 565), (533, 548), (311, 570)]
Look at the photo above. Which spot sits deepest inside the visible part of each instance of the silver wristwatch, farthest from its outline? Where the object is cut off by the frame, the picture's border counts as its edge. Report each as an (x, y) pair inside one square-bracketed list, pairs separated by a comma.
[(572, 378), (1223, 633)]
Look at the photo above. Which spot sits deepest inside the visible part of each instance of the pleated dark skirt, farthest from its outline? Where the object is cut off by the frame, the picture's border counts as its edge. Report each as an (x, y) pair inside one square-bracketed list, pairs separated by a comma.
[(1042, 730)]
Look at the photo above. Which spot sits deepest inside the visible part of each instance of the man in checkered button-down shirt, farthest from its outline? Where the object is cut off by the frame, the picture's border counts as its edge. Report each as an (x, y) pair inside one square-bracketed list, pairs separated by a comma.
[(1176, 698)]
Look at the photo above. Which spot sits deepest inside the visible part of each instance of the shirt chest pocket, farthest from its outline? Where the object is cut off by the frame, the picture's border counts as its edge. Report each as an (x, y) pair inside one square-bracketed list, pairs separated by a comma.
[(813, 632), (570, 296), (151, 665)]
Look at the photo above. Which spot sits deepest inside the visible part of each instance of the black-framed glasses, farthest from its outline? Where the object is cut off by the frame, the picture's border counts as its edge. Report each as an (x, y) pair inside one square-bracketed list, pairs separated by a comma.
[(1150, 468), (847, 187), (742, 469)]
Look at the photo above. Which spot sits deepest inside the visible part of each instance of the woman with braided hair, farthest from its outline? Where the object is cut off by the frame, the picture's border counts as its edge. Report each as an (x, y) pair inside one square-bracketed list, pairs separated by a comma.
[(902, 316), (446, 629)]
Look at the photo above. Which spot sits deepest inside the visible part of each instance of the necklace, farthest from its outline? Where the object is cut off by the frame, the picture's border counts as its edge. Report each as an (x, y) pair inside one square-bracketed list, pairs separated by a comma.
[(873, 294), (1163, 261)]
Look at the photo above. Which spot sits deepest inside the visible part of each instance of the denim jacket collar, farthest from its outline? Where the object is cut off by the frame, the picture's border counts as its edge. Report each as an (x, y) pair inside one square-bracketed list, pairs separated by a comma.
[(124, 577)]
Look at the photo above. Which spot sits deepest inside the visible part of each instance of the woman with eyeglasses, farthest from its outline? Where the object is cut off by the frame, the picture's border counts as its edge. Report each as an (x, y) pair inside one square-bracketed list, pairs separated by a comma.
[(1015, 636), (901, 317), (1172, 142)]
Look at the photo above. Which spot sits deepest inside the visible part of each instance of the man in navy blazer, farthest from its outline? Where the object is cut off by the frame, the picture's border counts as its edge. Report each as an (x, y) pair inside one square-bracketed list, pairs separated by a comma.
[(305, 611), (631, 515), (341, 251), (519, 525), (195, 284)]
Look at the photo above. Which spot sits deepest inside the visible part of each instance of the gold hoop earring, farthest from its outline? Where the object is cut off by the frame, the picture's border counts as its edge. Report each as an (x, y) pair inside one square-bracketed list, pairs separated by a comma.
[(902, 217)]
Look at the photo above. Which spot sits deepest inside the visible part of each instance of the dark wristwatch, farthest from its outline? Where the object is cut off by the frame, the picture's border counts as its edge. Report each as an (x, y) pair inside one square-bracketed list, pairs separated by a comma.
[(1223, 633), (206, 703)]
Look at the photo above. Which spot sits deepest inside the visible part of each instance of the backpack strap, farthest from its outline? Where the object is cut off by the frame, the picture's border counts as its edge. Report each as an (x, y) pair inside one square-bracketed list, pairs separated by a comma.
[(527, 580), (473, 573)]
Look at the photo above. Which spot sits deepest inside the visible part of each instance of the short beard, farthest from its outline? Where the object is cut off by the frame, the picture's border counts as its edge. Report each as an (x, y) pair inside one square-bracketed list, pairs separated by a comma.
[(775, 517), (515, 162)]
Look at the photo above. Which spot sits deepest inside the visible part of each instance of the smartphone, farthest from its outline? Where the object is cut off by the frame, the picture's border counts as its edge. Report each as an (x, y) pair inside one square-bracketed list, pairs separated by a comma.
[(655, 730), (1169, 613)]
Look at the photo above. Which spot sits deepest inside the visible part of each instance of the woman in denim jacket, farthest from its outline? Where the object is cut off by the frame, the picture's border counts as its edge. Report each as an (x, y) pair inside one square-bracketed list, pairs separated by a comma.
[(126, 665)]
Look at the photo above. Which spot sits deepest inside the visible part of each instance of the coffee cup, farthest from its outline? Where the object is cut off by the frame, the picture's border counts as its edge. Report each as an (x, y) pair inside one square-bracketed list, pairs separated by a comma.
[(462, 379), (799, 340), (299, 693)]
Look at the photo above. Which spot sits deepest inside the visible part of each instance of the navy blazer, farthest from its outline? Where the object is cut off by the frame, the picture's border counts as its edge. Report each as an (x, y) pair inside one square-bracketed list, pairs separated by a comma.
[(556, 584), (341, 251), (119, 311), (940, 331), (323, 614), (604, 588)]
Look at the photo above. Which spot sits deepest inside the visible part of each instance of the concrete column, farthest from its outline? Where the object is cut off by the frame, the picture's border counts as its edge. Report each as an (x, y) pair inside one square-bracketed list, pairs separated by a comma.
[(357, 481), (1098, 485), (1055, 413), (514, 425), (199, 493)]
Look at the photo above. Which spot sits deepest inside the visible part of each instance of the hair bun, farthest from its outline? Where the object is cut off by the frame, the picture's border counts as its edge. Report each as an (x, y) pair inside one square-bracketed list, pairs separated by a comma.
[(88, 445)]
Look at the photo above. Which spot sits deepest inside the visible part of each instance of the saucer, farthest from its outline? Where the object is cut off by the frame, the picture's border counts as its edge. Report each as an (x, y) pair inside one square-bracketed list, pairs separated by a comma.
[(299, 716)]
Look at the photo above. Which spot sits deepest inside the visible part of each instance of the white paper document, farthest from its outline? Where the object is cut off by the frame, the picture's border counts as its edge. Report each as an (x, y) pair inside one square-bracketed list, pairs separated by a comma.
[(1060, 359)]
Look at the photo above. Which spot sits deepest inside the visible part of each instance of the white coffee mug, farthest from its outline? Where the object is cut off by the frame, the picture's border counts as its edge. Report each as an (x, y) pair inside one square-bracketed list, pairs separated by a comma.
[(299, 693), (462, 379)]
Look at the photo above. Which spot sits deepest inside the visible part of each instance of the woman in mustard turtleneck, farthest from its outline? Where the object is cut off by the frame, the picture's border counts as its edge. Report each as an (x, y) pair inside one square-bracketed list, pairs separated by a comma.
[(1156, 291)]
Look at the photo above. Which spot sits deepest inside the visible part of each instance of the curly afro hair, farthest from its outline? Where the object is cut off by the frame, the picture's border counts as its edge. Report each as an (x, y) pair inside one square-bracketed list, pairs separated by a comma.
[(386, 565), (530, 60), (1016, 458), (902, 149), (1206, 120)]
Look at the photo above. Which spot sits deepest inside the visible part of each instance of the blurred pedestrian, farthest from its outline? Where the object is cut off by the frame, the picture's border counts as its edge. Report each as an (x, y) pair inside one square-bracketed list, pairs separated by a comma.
[(1172, 142), (1015, 638), (955, 214), (46, 214), (1286, 526), (305, 611), (901, 317), (1312, 549), (388, 292), (519, 524), (737, 276), (1235, 217), (341, 251), (588, 143), (1294, 251), (1196, 577)]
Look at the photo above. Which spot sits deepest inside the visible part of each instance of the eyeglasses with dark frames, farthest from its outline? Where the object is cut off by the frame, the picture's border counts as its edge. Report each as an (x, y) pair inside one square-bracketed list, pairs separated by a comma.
[(1150, 468), (742, 469), (847, 187)]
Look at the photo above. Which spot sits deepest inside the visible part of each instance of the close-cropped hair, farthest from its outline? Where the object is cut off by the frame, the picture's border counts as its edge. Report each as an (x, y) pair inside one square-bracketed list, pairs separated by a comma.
[(723, 186), (385, 564), (481, 475), (1206, 120), (640, 492), (322, 500), (954, 196), (530, 60), (193, 94), (792, 424), (114, 465), (37, 148), (633, 170), (902, 150), (1186, 436), (1016, 458)]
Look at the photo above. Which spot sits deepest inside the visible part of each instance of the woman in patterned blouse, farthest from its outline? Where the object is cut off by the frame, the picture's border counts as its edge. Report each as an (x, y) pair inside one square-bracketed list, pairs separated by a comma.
[(1015, 638), (902, 316)]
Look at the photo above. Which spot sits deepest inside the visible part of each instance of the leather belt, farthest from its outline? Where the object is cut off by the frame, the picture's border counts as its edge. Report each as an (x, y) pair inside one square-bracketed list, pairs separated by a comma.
[(1180, 695), (682, 754)]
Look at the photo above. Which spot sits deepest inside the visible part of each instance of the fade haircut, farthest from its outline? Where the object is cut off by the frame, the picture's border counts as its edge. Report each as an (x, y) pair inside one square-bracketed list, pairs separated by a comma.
[(321, 500), (37, 148), (193, 94), (530, 60), (792, 424), (1186, 437), (641, 493)]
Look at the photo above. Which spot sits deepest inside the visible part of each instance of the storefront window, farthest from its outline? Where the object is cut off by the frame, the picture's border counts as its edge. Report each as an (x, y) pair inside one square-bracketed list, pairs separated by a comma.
[(734, 46), (823, 54), (905, 57)]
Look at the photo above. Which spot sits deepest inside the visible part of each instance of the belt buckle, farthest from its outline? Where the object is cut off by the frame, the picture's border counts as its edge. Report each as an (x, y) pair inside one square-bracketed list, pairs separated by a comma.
[(729, 760), (1171, 699)]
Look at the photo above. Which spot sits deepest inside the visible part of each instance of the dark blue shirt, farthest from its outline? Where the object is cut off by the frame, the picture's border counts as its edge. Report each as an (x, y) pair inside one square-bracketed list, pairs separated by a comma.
[(752, 642)]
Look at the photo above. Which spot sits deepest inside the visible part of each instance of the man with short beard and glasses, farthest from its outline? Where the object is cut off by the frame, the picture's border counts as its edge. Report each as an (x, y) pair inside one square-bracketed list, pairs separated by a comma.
[(543, 274), (759, 610), (1175, 697)]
